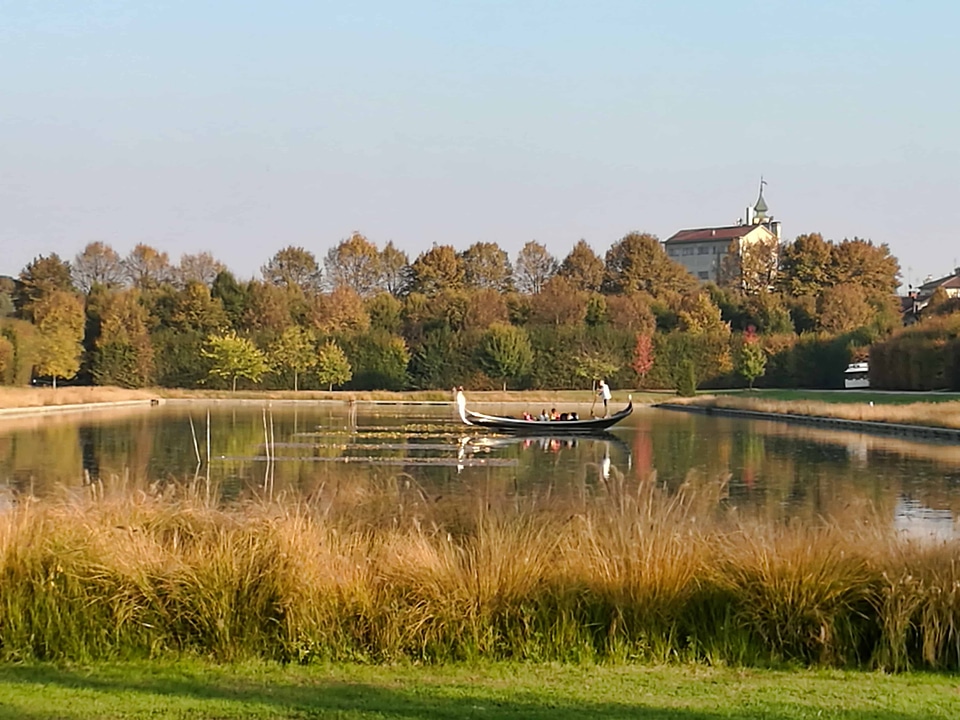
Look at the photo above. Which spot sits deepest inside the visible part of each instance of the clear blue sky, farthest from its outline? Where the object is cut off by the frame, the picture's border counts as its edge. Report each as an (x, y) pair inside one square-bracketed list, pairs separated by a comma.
[(243, 127)]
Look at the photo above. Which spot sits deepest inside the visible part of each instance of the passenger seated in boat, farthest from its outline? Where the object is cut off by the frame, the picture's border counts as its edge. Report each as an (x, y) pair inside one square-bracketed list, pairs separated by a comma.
[(573, 416), (543, 415), (564, 417), (527, 416), (553, 414)]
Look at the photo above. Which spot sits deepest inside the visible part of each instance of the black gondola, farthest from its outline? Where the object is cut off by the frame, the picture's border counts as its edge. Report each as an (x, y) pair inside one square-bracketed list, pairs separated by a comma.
[(540, 427)]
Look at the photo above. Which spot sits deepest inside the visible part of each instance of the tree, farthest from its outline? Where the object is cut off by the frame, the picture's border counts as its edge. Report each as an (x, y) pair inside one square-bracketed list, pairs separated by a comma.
[(385, 312), (354, 264), (505, 352), (698, 314), (40, 278), (861, 263), (631, 312), (394, 270), (340, 311), (485, 307), (268, 307), (333, 368), (147, 268), (123, 352), (486, 266), (750, 359), (844, 308), (643, 355), (59, 318), (97, 264), (232, 296), (233, 357), (293, 267), (439, 268), (199, 267), (558, 303), (637, 262), (805, 266), (750, 267), (583, 268), (294, 350), (534, 266)]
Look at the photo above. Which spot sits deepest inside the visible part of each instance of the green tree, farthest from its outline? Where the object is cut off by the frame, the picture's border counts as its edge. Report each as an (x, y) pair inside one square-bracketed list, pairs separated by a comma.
[(559, 302), (60, 320), (353, 264), (233, 357), (583, 268), (805, 266), (294, 350), (486, 266), (293, 267), (533, 267), (231, 295), (505, 352), (750, 359), (439, 268), (40, 278), (333, 368), (385, 312)]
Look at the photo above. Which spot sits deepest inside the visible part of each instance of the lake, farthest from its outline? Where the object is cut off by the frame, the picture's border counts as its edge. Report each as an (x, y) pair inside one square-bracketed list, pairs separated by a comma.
[(421, 454)]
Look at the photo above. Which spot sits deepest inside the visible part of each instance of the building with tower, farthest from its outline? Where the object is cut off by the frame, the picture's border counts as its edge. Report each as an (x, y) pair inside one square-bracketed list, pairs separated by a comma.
[(717, 254)]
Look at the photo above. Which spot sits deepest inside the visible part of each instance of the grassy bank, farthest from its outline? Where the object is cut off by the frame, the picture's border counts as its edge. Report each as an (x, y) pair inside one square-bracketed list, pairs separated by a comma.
[(933, 411), (509, 690), (26, 397), (636, 575)]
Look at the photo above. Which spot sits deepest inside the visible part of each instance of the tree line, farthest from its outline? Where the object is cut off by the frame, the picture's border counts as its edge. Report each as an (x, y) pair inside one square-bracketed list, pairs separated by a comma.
[(367, 317)]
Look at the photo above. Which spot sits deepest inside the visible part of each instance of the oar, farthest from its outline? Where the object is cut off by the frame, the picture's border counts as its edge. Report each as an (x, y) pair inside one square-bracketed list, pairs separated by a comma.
[(594, 398)]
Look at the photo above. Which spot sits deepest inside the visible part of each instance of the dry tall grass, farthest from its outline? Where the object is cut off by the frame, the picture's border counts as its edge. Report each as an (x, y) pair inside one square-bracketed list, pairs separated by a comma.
[(639, 575), (940, 414)]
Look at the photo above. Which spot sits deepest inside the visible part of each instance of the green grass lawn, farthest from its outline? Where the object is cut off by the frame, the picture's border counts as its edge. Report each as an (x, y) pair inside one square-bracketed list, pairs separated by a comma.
[(840, 396), (189, 689)]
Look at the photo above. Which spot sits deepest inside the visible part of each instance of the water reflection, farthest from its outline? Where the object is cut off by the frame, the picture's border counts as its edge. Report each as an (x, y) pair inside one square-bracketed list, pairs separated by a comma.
[(758, 469)]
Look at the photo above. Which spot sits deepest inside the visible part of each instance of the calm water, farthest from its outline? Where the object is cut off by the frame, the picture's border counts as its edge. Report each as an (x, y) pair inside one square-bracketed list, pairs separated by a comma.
[(767, 469)]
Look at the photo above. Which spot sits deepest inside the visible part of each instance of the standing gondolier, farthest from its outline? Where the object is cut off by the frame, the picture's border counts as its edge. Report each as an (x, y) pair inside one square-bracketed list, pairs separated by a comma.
[(603, 392)]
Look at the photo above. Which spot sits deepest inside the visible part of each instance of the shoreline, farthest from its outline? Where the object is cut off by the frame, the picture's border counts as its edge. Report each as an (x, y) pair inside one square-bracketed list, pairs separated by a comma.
[(927, 432)]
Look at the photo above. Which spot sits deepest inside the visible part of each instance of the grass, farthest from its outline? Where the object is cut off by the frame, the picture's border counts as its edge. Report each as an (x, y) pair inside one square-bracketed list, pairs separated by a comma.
[(28, 397), (944, 411), (844, 396), (195, 689), (377, 575)]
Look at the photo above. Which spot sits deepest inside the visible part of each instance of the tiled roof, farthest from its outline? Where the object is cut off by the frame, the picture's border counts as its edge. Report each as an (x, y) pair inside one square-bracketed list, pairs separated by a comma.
[(732, 232), (950, 281)]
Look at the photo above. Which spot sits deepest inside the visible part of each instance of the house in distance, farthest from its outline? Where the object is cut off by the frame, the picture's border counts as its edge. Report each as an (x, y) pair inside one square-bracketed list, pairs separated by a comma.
[(705, 252)]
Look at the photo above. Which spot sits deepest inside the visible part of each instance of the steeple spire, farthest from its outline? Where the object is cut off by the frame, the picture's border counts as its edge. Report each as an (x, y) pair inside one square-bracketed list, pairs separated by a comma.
[(760, 209)]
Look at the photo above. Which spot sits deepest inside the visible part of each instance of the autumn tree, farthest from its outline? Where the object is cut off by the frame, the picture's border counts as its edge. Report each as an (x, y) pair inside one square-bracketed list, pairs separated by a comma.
[(40, 278), (339, 311), (505, 352), (559, 302), (643, 356), (485, 307), (146, 268), (353, 264), (123, 352), (843, 308), (637, 262), (394, 270), (199, 267), (333, 367), (861, 263), (805, 266), (97, 264), (583, 268), (533, 267), (750, 360), (293, 350), (750, 267), (631, 312), (293, 267), (233, 357), (59, 318), (268, 307), (439, 268), (486, 266)]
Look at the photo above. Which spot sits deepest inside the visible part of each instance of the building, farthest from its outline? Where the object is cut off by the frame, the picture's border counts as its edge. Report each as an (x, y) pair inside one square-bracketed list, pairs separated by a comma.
[(704, 251), (949, 284)]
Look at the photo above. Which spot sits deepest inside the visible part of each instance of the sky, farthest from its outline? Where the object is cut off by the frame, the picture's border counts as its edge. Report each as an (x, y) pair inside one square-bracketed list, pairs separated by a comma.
[(244, 127)]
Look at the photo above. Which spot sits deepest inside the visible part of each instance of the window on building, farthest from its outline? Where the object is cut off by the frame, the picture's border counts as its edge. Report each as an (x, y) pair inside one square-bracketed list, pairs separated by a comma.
[(688, 251), (703, 250), (672, 252), (703, 275)]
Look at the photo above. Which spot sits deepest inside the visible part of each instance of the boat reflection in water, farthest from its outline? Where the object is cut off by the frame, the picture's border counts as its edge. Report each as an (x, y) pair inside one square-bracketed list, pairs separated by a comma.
[(610, 444)]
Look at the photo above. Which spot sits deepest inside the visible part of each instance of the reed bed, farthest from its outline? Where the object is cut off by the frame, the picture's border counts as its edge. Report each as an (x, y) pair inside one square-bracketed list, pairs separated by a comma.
[(636, 575)]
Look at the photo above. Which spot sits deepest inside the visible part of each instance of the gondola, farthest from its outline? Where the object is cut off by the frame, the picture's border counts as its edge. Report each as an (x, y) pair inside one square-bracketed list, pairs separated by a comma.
[(539, 427)]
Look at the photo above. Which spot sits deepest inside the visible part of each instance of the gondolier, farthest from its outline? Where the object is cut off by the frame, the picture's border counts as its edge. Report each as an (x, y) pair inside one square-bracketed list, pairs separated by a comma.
[(603, 392)]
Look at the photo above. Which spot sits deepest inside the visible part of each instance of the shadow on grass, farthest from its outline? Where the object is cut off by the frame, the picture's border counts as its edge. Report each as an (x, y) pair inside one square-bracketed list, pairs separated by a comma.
[(313, 695)]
